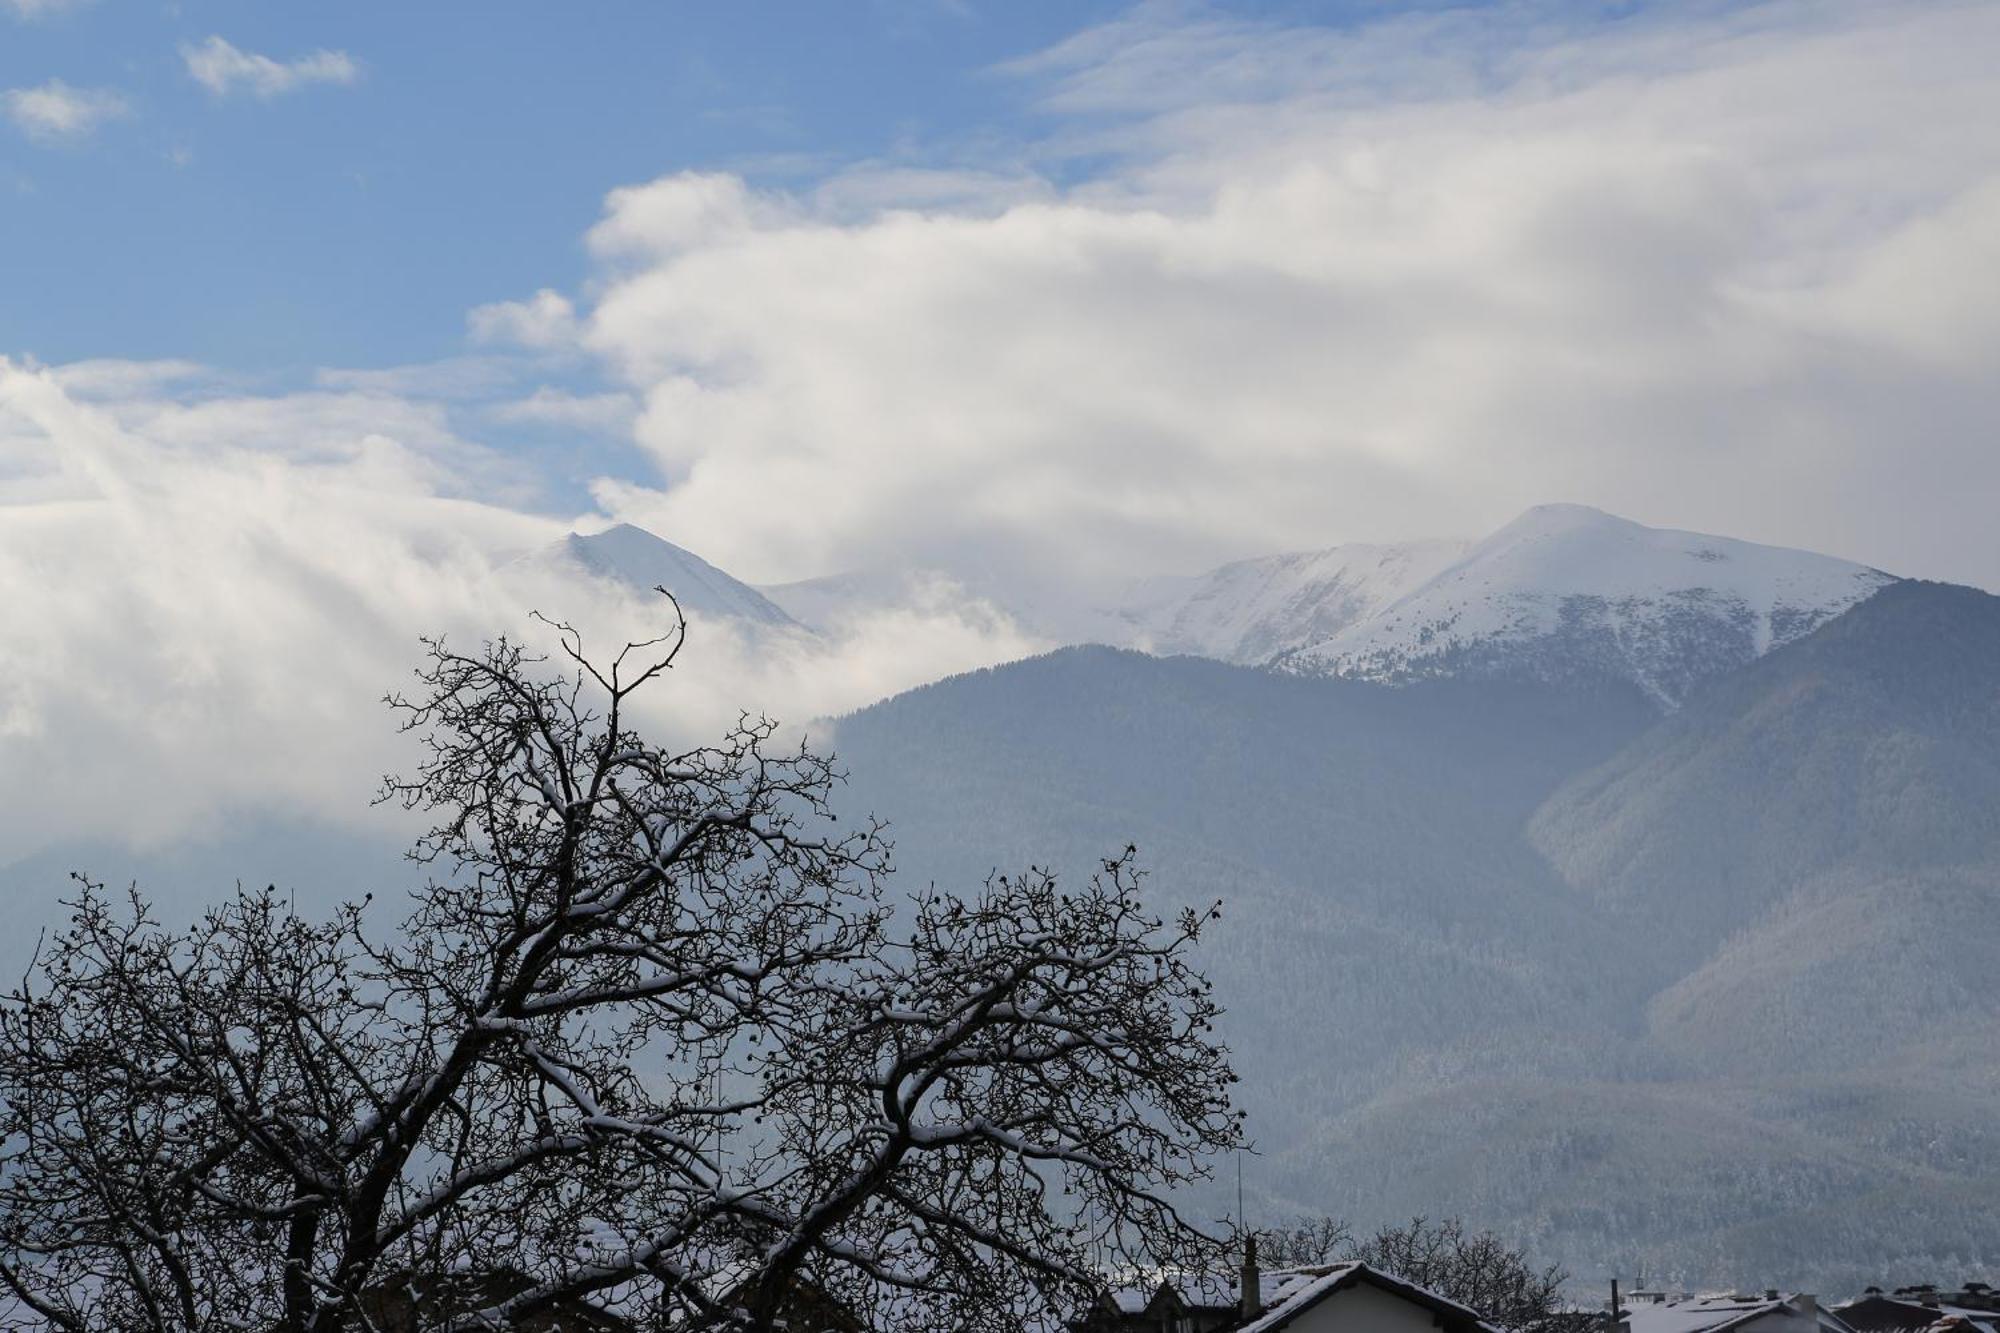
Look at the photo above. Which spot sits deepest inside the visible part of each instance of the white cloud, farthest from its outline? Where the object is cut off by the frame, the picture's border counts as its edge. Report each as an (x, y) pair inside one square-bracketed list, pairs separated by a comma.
[(870, 188), (111, 378), (465, 377), (211, 615), (544, 322), (606, 413), (214, 590), (34, 9), (223, 69), (682, 215), (58, 113), (1723, 269)]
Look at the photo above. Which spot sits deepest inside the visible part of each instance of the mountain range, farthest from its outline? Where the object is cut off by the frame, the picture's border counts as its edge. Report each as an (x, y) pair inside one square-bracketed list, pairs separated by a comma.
[(1705, 994), (1564, 592), (1627, 890)]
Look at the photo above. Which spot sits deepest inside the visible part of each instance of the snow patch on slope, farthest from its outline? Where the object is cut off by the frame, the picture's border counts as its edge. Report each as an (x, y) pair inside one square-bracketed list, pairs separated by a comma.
[(1255, 611)]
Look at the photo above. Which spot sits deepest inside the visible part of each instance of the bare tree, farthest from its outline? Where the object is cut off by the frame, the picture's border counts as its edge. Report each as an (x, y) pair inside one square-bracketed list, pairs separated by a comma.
[(1476, 1269), (647, 1039), (1322, 1240)]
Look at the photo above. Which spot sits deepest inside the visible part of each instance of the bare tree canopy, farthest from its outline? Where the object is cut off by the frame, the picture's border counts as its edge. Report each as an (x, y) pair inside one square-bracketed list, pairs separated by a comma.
[(1322, 1240), (1476, 1269), (650, 1038)]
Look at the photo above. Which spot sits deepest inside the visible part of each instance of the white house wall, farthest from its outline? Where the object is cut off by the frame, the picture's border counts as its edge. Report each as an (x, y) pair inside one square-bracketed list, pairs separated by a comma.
[(1366, 1309)]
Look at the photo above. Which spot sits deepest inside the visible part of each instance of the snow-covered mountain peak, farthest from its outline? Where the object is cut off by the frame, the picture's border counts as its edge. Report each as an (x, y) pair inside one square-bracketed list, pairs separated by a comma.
[(1576, 549), (1570, 591)]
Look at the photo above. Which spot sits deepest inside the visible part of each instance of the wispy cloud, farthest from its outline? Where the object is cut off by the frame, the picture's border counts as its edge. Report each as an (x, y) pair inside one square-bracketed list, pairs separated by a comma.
[(224, 69), (56, 113), (462, 377), (34, 9), (605, 413)]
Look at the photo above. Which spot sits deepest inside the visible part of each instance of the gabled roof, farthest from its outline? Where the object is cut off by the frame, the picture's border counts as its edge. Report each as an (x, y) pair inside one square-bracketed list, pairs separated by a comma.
[(1300, 1291), (1717, 1314), (1703, 1314), (1139, 1298), (1916, 1310)]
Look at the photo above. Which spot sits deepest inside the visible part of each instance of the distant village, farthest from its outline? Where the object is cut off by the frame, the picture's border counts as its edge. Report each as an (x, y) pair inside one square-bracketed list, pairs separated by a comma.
[(1356, 1297)]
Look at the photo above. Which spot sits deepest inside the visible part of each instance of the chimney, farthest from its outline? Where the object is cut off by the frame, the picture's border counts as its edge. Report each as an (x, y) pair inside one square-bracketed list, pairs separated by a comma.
[(1808, 1306), (1251, 1292)]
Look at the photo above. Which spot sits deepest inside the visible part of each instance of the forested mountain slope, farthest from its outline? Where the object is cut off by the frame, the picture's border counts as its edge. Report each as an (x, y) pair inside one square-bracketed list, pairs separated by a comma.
[(1708, 994), (1816, 840)]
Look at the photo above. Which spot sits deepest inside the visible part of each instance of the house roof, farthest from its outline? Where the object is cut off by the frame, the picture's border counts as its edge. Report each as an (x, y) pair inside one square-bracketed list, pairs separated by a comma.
[(1137, 1298), (1290, 1295), (1915, 1311), (1716, 1314), (1702, 1314)]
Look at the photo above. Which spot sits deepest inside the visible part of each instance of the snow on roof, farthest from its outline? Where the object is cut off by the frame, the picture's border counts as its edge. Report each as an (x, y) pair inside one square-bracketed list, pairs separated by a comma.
[(1985, 1321), (1926, 1310), (1296, 1296), (1209, 1291), (1701, 1314)]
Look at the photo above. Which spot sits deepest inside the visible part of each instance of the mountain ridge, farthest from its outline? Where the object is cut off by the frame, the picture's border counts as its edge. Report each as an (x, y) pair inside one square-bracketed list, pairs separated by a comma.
[(1459, 980), (1563, 591)]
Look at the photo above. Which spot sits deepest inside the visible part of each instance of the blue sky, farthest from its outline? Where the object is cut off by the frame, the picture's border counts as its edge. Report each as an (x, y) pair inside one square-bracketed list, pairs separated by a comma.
[(355, 225)]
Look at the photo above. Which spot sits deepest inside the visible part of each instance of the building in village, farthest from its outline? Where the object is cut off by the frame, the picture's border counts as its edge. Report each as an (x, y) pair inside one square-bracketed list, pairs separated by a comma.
[(1327, 1298), (1354, 1297), (1973, 1308), (1771, 1312)]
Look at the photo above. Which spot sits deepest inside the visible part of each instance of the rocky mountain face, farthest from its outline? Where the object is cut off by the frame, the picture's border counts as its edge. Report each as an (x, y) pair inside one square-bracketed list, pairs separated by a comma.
[(1707, 993)]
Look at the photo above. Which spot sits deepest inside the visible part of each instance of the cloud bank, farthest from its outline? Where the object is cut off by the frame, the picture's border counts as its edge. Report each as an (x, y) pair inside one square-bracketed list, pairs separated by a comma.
[(1722, 268), (208, 593)]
